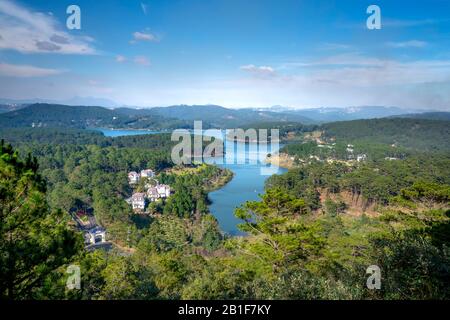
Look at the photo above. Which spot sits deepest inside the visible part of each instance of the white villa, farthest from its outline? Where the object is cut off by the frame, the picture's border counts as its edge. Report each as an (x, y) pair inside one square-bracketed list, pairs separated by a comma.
[(147, 173), (361, 157), (163, 190), (159, 191), (133, 177), (138, 201)]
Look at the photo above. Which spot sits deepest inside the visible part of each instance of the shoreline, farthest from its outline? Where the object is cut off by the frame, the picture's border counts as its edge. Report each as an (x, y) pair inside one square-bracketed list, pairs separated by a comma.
[(282, 160)]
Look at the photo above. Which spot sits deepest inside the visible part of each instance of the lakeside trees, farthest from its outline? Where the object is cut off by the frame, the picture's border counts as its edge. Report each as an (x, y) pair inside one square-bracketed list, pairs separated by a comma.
[(302, 242)]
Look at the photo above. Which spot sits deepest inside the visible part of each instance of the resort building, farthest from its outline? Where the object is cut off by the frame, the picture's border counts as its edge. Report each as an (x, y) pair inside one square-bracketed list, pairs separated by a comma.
[(133, 177), (138, 201), (361, 157), (158, 192), (147, 173)]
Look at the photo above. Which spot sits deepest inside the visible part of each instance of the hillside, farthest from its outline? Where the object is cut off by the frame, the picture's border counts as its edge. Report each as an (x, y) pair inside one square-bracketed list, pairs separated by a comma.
[(350, 113), (53, 115), (10, 107), (419, 134), (221, 117), (47, 115), (427, 115)]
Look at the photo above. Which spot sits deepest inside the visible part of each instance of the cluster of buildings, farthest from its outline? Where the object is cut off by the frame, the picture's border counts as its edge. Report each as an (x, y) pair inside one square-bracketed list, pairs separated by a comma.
[(139, 200), (134, 177), (351, 156)]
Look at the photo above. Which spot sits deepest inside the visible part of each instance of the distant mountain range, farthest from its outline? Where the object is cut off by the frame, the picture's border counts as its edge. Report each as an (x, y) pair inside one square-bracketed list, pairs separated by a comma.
[(183, 116), (221, 117), (75, 101), (348, 113)]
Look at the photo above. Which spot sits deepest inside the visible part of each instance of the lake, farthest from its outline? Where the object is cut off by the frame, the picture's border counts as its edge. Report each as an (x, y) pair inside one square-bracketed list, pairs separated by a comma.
[(246, 185)]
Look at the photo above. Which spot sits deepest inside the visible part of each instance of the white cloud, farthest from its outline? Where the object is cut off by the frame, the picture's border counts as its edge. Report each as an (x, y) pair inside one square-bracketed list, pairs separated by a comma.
[(33, 32), (144, 36), (258, 71), (357, 70), (407, 44), (144, 8), (120, 58), (141, 60), (25, 71)]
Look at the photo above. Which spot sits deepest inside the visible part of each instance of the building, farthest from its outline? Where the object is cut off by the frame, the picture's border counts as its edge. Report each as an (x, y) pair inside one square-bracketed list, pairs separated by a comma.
[(133, 177), (138, 201), (152, 194), (147, 173), (95, 235), (361, 157), (163, 190), (158, 192)]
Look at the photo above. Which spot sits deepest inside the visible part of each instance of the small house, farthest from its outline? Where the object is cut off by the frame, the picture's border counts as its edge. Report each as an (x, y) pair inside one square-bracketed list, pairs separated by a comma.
[(138, 201), (95, 235), (147, 173), (152, 194), (158, 192), (361, 157), (133, 177), (163, 190)]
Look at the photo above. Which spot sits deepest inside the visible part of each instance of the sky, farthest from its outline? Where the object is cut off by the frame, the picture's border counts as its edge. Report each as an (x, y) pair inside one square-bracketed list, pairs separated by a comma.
[(234, 53)]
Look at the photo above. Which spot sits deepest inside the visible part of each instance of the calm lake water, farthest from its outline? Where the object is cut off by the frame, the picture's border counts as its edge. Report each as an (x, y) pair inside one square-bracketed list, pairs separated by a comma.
[(250, 174)]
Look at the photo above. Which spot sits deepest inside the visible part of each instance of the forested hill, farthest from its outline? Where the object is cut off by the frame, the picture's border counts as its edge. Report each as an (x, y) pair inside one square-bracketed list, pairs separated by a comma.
[(427, 115), (419, 134), (222, 117), (53, 115), (175, 117)]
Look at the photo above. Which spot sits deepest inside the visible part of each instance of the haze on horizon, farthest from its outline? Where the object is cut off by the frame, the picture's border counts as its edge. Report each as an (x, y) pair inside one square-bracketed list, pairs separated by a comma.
[(232, 53)]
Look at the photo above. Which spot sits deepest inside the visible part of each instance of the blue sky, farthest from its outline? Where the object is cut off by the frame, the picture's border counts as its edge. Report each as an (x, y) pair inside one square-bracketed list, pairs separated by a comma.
[(235, 53)]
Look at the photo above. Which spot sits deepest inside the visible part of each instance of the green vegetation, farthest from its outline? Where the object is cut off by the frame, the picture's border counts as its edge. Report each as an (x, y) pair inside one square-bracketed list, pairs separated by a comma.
[(34, 240), (417, 134), (312, 235), (50, 116)]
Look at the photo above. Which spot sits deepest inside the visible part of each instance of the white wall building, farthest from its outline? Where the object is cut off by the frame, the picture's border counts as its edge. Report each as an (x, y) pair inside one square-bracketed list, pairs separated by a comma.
[(158, 192), (138, 201), (95, 236), (147, 173), (163, 190), (361, 157), (133, 177)]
